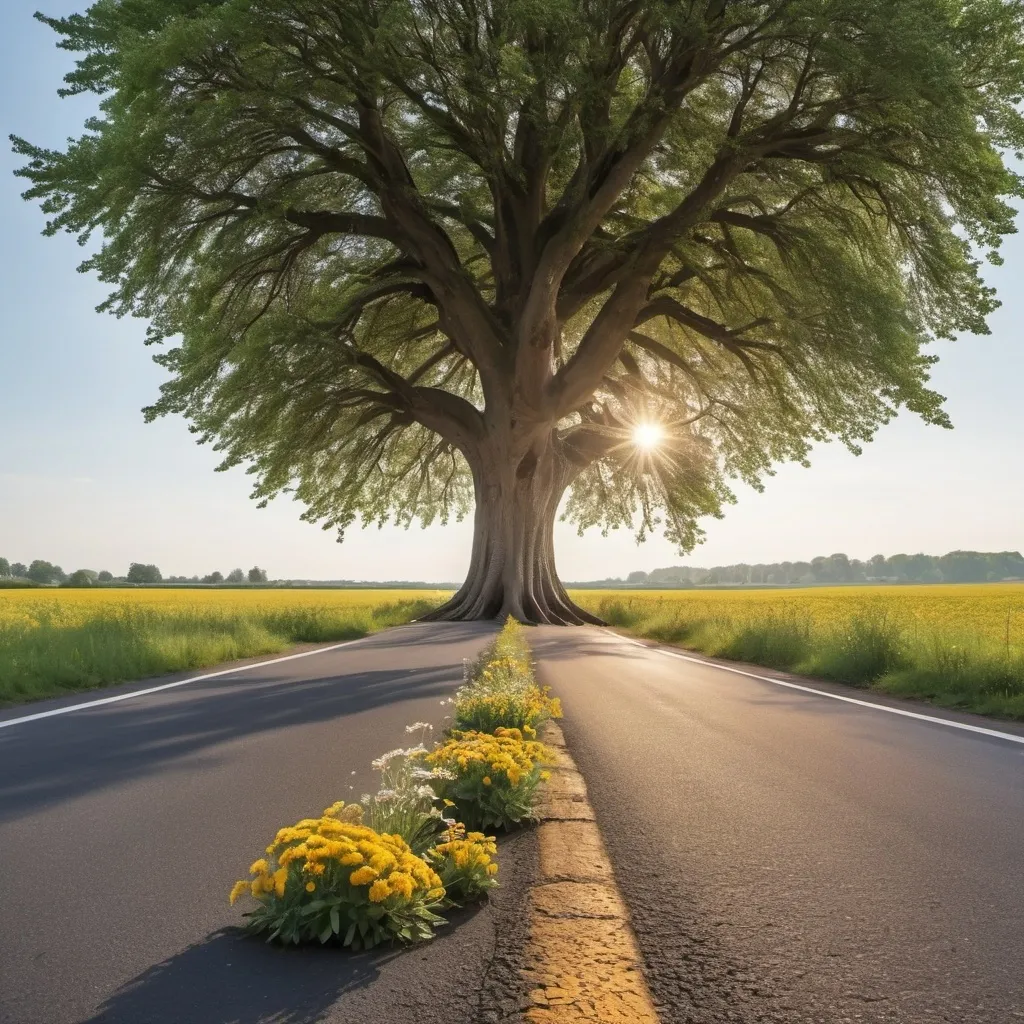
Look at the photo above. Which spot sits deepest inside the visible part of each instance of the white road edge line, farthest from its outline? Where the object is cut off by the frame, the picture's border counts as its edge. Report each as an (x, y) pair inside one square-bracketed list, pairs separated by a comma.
[(170, 686), (1012, 737)]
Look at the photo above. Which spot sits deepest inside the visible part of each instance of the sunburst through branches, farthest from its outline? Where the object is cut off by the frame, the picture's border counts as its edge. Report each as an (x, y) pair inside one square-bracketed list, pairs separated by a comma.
[(648, 436)]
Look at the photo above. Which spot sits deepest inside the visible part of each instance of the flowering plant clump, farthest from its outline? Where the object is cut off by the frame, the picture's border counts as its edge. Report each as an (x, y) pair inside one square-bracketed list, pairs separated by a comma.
[(406, 802), (496, 776), (500, 689), (464, 862), (484, 710), (333, 878)]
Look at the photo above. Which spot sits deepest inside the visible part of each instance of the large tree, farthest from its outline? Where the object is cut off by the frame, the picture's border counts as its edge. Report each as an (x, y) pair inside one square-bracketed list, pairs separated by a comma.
[(422, 254)]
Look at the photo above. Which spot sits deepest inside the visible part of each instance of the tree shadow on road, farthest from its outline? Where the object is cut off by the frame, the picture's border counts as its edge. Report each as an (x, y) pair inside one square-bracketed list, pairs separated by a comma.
[(231, 979), (100, 747)]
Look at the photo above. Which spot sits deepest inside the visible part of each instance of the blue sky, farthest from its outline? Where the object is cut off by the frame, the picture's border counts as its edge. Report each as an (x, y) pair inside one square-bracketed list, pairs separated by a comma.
[(85, 483)]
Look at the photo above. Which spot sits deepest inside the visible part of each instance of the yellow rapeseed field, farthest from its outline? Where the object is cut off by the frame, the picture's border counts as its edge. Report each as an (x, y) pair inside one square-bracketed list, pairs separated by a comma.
[(73, 607), (986, 612)]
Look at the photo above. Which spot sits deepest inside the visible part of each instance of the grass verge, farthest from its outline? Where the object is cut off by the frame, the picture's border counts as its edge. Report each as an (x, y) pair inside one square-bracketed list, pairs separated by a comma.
[(52, 648), (871, 647)]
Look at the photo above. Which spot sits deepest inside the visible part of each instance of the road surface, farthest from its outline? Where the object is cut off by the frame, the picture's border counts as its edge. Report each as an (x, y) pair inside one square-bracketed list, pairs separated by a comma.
[(788, 857), (123, 826)]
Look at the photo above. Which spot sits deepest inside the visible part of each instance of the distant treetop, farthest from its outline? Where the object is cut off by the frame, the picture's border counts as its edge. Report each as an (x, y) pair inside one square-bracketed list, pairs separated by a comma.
[(954, 567), (143, 574)]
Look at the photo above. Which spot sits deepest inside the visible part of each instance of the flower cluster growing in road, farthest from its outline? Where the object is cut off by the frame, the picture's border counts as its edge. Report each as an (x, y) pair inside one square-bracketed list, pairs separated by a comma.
[(333, 877), (495, 775), (500, 689), (465, 862), (385, 869)]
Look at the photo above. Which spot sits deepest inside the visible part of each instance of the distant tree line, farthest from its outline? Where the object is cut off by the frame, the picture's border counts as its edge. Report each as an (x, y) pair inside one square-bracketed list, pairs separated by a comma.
[(954, 567), (139, 574)]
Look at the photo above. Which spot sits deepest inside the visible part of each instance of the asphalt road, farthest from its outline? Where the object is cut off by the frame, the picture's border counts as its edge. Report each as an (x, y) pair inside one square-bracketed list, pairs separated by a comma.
[(791, 858), (123, 826)]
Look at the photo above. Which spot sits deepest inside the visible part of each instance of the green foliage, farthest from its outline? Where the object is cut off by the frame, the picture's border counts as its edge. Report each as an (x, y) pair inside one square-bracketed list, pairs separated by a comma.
[(143, 574), (5, 568), (56, 653), (390, 235), (41, 571), (954, 567), (82, 578)]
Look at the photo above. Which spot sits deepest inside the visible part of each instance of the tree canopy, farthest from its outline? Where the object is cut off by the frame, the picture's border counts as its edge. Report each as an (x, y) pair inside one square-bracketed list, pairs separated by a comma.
[(41, 571), (141, 573), (420, 254)]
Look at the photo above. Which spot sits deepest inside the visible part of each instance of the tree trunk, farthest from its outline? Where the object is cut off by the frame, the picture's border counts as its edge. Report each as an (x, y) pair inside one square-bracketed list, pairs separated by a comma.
[(512, 568)]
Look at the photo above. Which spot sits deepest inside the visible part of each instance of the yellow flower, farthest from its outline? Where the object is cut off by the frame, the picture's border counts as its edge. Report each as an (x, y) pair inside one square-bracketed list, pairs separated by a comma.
[(401, 883), (436, 894), (486, 780), (239, 889), (351, 859), (362, 876), (492, 868), (310, 886), (379, 891), (258, 867), (545, 776), (280, 877)]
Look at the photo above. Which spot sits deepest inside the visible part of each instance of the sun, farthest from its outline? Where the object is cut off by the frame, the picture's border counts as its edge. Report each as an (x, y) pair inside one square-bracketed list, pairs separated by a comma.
[(647, 436)]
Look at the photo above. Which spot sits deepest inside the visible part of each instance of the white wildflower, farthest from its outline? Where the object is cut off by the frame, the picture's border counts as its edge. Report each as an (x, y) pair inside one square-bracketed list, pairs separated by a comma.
[(416, 726), (425, 793), (380, 763)]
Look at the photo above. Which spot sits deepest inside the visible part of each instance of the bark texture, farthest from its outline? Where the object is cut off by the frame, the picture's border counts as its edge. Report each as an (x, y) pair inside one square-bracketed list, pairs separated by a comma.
[(512, 568)]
